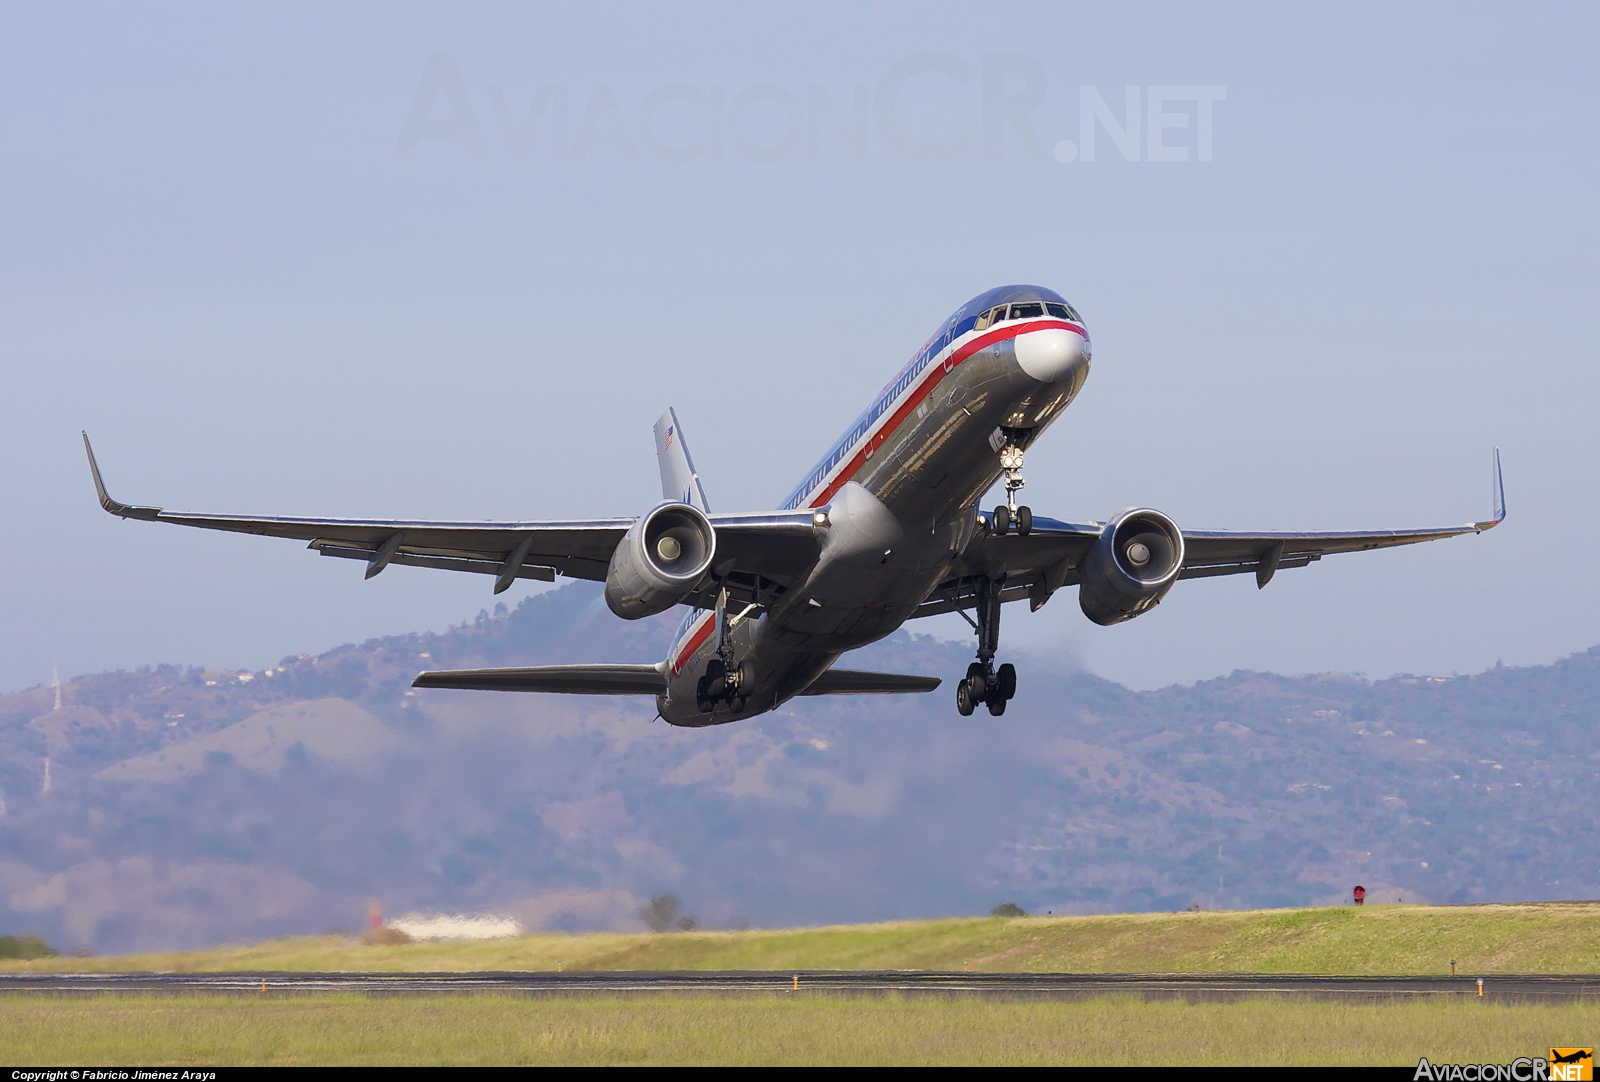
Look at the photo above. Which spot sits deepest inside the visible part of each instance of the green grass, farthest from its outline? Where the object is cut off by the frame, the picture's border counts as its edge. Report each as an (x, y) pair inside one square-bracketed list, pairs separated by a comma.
[(1397, 940), (189, 1031)]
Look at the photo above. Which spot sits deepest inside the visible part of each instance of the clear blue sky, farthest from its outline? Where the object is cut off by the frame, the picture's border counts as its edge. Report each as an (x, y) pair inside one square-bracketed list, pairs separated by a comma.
[(215, 260)]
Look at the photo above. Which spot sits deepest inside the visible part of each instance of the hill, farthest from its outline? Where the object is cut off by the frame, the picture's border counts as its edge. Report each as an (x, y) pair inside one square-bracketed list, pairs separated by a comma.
[(186, 808), (1394, 940)]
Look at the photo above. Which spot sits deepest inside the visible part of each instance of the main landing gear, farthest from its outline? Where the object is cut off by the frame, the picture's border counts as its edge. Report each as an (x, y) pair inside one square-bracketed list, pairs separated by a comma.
[(723, 680), (984, 683), (1009, 512)]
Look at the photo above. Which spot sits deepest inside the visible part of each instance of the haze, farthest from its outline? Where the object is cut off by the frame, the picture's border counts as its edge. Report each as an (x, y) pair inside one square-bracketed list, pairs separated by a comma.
[(220, 255)]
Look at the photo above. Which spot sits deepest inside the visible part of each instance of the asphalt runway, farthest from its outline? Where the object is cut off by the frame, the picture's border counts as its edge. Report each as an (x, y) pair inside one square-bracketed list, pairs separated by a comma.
[(1189, 986)]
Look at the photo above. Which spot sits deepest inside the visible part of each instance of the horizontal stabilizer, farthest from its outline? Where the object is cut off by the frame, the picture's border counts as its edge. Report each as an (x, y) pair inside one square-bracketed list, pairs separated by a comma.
[(559, 679), (856, 682)]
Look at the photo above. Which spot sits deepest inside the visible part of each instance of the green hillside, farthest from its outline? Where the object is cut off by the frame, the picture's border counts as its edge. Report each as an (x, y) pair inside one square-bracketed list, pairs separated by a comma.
[(1382, 940)]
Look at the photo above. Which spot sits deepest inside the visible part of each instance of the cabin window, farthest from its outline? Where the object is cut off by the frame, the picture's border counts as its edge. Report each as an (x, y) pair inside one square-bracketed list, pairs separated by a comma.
[(1027, 311)]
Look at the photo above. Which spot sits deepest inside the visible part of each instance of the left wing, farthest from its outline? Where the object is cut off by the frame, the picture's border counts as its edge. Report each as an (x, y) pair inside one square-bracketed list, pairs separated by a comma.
[(775, 546), (1035, 566), (857, 682), (558, 679)]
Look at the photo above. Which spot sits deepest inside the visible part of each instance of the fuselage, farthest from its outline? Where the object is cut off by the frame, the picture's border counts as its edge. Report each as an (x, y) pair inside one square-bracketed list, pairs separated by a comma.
[(898, 496)]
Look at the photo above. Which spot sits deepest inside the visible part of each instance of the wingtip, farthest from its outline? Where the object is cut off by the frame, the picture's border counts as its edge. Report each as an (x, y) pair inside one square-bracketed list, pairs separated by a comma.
[(115, 507), (94, 471), (1498, 481)]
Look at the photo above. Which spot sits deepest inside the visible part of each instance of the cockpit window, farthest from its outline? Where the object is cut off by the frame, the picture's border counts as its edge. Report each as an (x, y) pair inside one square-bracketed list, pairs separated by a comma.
[(1027, 311), (1057, 310), (983, 321)]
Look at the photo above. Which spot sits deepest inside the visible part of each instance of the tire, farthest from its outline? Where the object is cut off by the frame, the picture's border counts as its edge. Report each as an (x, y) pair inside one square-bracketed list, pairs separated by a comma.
[(975, 669), (977, 690), (1006, 682), (1002, 520), (997, 706), (737, 704), (1024, 521), (715, 671), (700, 698), (964, 704)]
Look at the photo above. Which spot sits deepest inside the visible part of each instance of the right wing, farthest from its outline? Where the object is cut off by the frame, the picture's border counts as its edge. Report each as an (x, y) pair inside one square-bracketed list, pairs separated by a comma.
[(775, 546), (1036, 566), (648, 680)]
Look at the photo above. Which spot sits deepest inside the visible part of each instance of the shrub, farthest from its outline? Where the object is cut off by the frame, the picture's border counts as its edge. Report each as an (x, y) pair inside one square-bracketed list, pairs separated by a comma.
[(24, 947)]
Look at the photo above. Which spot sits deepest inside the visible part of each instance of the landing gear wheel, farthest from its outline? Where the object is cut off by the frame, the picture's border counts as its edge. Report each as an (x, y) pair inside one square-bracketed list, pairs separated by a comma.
[(1002, 520), (701, 700), (977, 690), (1005, 682), (1024, 521), (997, 706), (964, 704), (975, 669), (737, 704)]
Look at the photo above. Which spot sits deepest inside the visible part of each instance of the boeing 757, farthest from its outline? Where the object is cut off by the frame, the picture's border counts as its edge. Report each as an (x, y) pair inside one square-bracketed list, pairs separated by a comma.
[(886, 528)]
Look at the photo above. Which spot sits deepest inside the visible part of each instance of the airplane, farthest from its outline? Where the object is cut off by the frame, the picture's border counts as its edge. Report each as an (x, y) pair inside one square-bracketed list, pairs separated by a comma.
[(884, 529)]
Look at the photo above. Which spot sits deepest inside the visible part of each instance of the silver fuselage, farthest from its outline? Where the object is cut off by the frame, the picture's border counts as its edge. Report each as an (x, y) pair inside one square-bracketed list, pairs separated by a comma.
[(898, 495)]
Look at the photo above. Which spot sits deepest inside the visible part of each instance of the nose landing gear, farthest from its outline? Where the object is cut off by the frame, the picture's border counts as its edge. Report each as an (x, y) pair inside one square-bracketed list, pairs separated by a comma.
[(1009, 512), (984, 683)]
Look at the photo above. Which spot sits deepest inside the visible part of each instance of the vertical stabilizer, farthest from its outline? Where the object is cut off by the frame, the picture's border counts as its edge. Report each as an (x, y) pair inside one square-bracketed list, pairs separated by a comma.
[(678, 479)]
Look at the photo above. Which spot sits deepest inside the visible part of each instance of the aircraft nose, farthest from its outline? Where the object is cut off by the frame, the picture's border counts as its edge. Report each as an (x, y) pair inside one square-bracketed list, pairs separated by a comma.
[(1051, 355)]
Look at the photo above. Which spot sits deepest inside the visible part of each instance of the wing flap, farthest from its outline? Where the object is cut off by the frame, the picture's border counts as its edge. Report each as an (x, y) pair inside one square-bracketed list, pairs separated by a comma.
[(552, 679), (857, 682)]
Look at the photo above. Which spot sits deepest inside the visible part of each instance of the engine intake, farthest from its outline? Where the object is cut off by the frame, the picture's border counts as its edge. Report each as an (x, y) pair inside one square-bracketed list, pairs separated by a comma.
[(659, 560), (1131, 567)]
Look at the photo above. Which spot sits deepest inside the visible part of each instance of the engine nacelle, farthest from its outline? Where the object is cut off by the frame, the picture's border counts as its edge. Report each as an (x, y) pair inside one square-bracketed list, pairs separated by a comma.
[(1131, 567), (659, 560)]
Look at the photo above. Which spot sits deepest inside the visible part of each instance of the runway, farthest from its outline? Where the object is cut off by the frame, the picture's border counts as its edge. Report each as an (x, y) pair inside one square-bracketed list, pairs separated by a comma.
[(1189, 986)]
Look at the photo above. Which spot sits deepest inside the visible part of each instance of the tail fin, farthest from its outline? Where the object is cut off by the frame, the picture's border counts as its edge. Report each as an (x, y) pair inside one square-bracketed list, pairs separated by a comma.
[(678, 479)]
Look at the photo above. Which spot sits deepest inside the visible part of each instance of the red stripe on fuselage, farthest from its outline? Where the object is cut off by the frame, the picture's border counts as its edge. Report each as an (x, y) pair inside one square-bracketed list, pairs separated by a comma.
[(877, 438), (697, 639)]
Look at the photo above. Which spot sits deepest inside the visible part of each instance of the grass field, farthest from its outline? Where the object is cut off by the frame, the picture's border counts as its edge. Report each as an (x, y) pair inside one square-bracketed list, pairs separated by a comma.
[(1397, 940), (770, 1029)]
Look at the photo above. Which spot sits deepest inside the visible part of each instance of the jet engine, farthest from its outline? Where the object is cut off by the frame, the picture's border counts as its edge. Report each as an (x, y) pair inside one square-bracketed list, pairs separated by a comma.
[(1131, 567), (659, 561)]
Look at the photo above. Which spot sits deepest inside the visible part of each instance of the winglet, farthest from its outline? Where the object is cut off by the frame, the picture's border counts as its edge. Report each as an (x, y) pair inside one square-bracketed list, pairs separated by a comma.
[(1499, 482), (122, 510)]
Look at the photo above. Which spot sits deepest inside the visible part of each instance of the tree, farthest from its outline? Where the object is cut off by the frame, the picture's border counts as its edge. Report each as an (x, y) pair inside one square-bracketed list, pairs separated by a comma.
[(662, 915), (1008, 909)]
